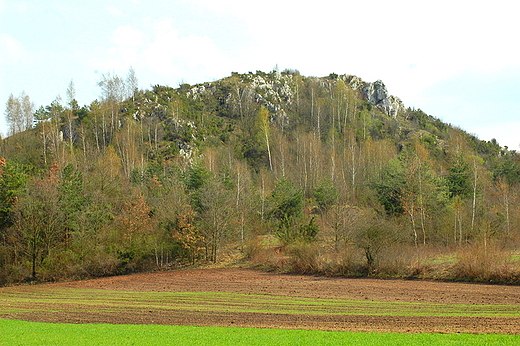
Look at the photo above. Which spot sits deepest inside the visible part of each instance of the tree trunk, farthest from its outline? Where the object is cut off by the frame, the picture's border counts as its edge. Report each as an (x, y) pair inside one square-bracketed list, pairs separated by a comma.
[(474, 206)]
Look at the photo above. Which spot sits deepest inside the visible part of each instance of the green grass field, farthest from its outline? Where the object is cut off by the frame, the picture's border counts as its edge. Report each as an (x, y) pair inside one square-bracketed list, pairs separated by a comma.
[(32, 333)]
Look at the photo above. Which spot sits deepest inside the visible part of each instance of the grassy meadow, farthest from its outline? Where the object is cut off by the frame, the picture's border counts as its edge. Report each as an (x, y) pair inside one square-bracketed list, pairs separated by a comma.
[(33, 333)]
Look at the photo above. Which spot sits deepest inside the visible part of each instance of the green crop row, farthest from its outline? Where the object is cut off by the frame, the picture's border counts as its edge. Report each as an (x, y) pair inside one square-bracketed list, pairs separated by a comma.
[(39, 299)]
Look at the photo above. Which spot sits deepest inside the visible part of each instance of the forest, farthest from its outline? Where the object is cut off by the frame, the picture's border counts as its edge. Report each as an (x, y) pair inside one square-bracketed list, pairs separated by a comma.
[(325, 175)]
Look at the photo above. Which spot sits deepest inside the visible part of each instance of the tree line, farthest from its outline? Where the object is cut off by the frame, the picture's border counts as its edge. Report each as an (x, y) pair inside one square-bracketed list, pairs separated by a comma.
[(293, 172)]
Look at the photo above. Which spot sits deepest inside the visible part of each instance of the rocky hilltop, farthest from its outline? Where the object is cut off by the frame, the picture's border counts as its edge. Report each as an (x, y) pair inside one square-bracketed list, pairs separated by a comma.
[(317, 104), (278, 91)]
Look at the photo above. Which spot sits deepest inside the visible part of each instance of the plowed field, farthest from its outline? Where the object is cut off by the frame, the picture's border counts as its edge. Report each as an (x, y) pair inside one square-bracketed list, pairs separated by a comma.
[(251, 298)]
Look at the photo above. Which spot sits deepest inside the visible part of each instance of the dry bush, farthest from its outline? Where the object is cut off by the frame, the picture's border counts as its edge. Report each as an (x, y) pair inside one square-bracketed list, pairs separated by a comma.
[(396, 261), (408, 261), (347, 260), (66, 265), (304, 258), (485, 263), (14, 273), (100, 264), (266, 252), (490, 263)]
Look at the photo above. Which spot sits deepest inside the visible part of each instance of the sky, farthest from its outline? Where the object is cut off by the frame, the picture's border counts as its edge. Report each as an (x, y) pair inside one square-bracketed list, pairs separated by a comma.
[(456, 60)]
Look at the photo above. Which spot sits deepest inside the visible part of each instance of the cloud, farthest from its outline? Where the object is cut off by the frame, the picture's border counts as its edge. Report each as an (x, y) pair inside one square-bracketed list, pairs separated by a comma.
[(124, 50), (157, 46), (22, 6), (114, 10), (10, 49), (127, 44), (127, 36), (183, 56)]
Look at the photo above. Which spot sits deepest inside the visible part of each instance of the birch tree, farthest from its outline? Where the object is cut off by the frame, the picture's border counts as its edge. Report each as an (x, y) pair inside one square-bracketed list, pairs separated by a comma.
[(70, 113), (113, 91), (132, 83), (263, 125), (19, 113)]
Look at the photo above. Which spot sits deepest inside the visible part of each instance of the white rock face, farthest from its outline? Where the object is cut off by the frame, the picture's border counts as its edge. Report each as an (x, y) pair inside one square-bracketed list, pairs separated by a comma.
[(377, 94), (354, 81), (198, 90)]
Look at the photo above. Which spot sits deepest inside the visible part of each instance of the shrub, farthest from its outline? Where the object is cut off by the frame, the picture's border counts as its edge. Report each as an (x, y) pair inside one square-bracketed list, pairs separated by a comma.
[(266, 252), (100, 263), (484, 263), (304, 258), (60, 264)]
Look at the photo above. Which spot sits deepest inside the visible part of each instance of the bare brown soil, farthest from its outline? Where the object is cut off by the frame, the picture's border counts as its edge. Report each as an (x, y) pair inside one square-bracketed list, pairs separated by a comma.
[(247, 281)]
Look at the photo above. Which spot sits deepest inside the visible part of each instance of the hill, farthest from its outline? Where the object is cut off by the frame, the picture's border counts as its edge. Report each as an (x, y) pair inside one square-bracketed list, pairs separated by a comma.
[(311, 174)]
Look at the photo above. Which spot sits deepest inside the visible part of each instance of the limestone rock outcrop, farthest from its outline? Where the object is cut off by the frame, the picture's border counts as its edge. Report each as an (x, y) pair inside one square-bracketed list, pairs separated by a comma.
[(276, 91), (377, 94)]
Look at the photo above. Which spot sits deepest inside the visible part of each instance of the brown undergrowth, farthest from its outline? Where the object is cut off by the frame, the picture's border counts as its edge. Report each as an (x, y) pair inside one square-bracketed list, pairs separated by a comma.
[(489, 263)]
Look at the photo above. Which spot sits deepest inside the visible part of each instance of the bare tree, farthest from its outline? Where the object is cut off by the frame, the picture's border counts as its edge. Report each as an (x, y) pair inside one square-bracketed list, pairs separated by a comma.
[(217, 215), (112, 88), (27, 110), (19, 113), (132, 84), (72, 107), (13, 115), (113, 91)]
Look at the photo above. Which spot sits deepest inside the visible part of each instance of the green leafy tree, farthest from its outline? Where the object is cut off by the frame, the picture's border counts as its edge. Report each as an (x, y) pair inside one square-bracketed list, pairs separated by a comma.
[(390, 187), (462, 185), (13, 179), (72, 200), (326, 195), (309, 231), (423, 193), (506, 177), (263, 121), (286, 209), (196, 176), (458, 179), (508, 169), (256, 147)]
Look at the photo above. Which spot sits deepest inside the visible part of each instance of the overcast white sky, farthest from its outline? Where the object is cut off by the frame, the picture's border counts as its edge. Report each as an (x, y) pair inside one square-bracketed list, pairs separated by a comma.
[(456, 60)]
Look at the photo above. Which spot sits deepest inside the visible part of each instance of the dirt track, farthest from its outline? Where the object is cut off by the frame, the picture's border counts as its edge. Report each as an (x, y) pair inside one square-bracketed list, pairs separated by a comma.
[(247, 281)]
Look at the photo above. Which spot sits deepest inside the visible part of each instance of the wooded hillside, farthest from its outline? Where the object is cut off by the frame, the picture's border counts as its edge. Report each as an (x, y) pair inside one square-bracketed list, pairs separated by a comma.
[(326, 175)]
